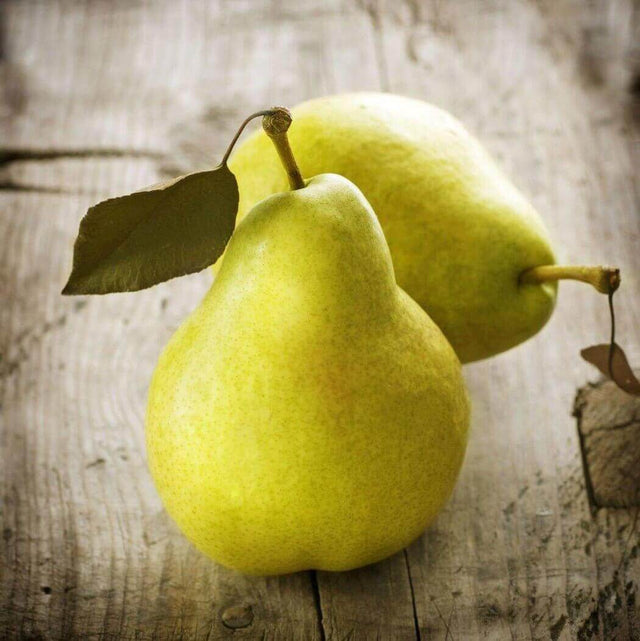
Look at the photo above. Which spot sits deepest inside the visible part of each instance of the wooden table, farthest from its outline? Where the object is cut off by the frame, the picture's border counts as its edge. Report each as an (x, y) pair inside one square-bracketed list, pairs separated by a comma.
[(102, 98)]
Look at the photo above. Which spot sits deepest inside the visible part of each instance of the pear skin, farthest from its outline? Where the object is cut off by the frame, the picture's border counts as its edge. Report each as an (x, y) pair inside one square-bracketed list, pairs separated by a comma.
[(308, 414), (459, 232)]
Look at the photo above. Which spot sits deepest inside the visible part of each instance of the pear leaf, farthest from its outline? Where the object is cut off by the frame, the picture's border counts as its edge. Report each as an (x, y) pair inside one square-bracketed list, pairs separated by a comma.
[(620, 371), (132, 242)]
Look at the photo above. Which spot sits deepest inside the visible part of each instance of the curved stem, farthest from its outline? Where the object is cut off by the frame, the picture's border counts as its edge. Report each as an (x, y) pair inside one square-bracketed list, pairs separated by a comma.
[(612, 341), (605, 279), (227, 153), (276, 123)]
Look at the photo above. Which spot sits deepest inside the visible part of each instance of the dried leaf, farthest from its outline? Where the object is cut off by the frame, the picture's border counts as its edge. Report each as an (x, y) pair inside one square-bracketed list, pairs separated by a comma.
[(132, 242), (621, 373)]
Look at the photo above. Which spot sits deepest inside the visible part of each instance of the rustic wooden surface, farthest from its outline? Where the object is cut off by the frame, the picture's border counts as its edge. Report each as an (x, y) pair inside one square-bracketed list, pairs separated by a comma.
[(609, 427), (100, 98)]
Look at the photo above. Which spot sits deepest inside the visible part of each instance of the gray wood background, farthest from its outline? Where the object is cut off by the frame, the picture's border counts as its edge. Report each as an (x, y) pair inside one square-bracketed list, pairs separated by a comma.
[(100, 98)]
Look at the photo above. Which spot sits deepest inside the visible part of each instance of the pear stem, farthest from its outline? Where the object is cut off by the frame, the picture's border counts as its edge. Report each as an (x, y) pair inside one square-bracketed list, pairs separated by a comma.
[(247, 120), (605, 279), (276, 123)]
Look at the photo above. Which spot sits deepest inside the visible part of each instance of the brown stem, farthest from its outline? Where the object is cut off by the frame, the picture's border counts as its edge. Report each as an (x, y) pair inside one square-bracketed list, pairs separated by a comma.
[(605, 279), (247, 120), (276, 123)]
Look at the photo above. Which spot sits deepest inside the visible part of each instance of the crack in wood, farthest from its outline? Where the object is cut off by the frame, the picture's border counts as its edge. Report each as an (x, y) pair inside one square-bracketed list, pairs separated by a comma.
[(12, 186), (10, 154), (15, 155), (317, 602), (588, 483), (416, 622), (612, 428)]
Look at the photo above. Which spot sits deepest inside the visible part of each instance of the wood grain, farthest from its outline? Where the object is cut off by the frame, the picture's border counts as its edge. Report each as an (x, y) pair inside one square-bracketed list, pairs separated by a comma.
[(97, 99)]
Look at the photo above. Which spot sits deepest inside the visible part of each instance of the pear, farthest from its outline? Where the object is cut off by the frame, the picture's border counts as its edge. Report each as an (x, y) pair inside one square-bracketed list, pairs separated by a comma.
[(308, 414), (459, 232)]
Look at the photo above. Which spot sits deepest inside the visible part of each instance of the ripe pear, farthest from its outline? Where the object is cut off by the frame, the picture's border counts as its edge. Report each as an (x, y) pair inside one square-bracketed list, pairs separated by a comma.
[(308, 414), (459, 232)]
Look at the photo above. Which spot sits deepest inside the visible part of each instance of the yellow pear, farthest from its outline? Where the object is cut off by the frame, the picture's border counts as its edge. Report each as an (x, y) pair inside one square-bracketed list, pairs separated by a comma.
[(308, 414), (460, 233)]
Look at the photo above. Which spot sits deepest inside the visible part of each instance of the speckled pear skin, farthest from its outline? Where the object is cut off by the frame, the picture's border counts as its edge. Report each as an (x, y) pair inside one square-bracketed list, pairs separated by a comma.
[(459, 232), (308, 414)]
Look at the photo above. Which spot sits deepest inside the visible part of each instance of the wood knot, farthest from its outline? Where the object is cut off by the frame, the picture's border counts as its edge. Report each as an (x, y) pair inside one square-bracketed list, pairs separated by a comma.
[(237, 616)]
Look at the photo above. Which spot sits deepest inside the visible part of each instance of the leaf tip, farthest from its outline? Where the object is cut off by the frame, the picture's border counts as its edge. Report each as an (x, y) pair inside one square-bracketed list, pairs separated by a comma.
[(71, 288)]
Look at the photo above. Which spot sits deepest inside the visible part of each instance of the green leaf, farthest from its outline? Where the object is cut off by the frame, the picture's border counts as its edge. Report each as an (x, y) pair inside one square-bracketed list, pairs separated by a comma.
[(132, 242)]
